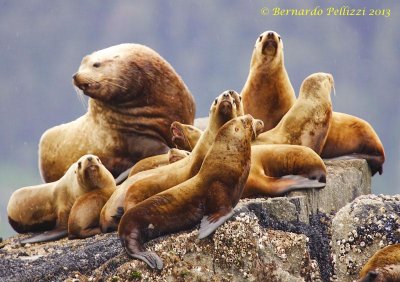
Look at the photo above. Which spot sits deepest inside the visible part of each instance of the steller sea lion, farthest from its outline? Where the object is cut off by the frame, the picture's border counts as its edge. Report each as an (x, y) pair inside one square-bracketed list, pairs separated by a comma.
[(275, 169), (268, 95), (148, 183), (70, 205), (383, 266), (268, 76), (131, 89), (207, 198), (308, 120), (172, 156)]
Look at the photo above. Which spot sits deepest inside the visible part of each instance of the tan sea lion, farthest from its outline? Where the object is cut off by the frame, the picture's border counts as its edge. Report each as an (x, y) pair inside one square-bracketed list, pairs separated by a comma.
[(268, 95), (71, 203), (131, 89), (185, 136), (172, 156), (275, 169), (308, 120), (384, 265), (209, 197), (148, 183)]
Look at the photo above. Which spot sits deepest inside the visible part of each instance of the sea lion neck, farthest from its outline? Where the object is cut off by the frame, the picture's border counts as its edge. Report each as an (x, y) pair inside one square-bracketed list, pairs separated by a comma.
[(125, 118)]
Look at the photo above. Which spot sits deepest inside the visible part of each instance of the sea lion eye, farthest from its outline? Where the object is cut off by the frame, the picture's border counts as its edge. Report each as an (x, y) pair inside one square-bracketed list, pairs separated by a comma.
[(240, 98), (98, 160), (279, 38), (96, 65), (215, 101), (79, 165), (260, 38)]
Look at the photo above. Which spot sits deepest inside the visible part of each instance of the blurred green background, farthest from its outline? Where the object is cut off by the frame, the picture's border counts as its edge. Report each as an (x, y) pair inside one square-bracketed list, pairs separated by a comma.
[(209, 43)]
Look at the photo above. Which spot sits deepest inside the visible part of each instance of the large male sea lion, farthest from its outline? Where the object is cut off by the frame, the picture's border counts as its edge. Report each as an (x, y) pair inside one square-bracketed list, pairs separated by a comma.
[(135, 95), (70, 205), (209, 197), (268, 95), (148, 183)]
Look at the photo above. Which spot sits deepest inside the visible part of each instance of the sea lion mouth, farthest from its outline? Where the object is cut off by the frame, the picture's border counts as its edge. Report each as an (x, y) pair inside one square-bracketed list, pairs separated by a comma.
[(178, 138), (225, 108), (269, 47), (258, 126)]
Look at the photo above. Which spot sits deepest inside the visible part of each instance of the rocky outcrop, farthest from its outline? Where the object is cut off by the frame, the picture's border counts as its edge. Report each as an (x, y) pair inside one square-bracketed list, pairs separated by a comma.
[(294, 238)]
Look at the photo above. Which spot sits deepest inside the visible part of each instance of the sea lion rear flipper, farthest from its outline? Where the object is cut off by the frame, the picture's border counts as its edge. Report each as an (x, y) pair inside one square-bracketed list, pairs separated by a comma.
[(151, 258), (374, 161), (51, 235), (123, 176), (210, 223)]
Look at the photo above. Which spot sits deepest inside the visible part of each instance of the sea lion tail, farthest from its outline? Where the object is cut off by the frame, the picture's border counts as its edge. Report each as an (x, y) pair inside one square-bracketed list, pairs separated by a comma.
[(51, 235)]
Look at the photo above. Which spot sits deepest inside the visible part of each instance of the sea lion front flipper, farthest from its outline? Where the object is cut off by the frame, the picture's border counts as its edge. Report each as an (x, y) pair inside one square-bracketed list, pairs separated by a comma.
[(123, 176), (301, 182), (51, 235), (151, 258), (211, 222)]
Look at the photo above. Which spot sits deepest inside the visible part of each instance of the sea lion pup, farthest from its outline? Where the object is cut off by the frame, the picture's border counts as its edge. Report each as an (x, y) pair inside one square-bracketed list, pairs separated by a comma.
[(275, 169), (384, 265), (268, 82), (308, 120), (267, 91), (131, 90), (73, 202), (209, 197), (148, 183), (172, 156)]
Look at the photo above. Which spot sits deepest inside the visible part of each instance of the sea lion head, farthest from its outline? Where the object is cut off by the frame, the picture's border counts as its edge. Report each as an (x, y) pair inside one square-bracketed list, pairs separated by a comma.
[(91, 173), (268, 49), (114, 74), (226, 106), (184, 136), (245, 128), (317, 84), (175, 155)]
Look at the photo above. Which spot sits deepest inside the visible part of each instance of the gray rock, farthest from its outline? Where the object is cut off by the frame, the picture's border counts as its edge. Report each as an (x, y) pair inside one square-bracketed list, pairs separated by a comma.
[(277, 239), (346, 180), (360, 229)]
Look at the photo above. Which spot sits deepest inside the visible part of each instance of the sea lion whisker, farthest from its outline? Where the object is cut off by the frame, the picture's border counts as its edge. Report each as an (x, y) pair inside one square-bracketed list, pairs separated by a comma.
[(116, 84), (81, 97)]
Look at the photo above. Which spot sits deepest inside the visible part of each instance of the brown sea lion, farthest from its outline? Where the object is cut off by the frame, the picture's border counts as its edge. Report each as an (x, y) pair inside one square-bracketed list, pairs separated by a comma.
[(172, 156), (308, 120), (268, 95), (131, 88), (185, 136), (275, 169), (209, 197), (148, 183), (384, 265), (71, 203)]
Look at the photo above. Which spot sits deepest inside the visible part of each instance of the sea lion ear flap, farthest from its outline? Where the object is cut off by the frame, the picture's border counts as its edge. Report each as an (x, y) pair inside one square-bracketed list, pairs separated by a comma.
[(210, 223)]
